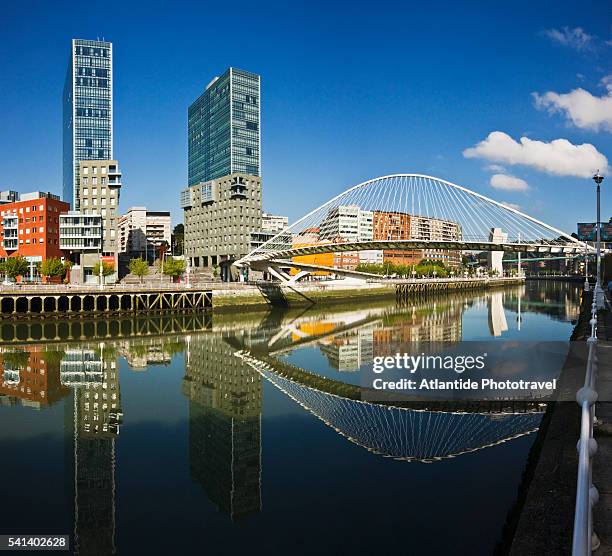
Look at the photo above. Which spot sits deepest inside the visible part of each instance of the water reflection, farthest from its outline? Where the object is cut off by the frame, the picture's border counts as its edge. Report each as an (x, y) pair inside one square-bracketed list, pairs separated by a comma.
[(309, 356), (225, 405)]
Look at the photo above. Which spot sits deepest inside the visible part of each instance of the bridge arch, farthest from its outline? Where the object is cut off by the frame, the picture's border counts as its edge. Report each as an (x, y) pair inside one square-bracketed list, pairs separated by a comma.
[(426, 203)]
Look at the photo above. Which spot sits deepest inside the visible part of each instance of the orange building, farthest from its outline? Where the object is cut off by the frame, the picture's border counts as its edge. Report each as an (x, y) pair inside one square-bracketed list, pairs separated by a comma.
[(32, 375), (395, 226), (29, 227), (403, 226)]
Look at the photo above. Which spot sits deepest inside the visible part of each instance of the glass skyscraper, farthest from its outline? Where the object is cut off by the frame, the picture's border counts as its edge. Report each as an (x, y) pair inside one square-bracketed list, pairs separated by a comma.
[(88, 111), (224, 128)]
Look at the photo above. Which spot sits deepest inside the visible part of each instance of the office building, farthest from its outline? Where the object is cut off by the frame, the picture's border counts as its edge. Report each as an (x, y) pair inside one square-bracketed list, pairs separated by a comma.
[(224, 128), (220, 218), (142, 232), (88, 111), (29, 227), (100, 188), (222, 203), (273, 223), (347, 223)]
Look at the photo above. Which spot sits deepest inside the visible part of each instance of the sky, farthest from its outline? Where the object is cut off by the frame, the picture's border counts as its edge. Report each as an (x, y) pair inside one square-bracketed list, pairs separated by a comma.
[(512, 100)]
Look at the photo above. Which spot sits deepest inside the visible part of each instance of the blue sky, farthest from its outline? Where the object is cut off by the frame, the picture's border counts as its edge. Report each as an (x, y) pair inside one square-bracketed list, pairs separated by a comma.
[(349, 92)]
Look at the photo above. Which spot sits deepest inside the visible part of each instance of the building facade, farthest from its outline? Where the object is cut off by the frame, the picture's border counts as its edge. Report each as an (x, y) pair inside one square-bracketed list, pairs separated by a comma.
[(100, 188), (224, 128), (272, 223), (30, 228), (142, 232), (88, 111), (348, 223), (402, 226), (221, 217), (81, 235)]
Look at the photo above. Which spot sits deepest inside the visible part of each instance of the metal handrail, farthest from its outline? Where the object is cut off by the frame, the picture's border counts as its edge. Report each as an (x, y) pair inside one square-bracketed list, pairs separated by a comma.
[(585, 538)]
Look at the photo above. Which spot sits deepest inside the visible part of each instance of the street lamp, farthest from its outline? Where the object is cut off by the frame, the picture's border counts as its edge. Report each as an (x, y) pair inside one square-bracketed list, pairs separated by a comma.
[(599, 294)]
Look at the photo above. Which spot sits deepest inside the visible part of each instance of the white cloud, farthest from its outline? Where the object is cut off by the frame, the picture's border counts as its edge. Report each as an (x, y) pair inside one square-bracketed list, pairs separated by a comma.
[(559, 157), (496, 168), (509, 183), (575, 38), (583, 109), (511, 205)]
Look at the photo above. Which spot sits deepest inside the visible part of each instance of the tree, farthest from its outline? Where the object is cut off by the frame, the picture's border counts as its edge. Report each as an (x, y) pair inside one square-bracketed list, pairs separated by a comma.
[(178, 238), (107, 269), (14, 266), (174, 267), (53, 267), (139, 267)]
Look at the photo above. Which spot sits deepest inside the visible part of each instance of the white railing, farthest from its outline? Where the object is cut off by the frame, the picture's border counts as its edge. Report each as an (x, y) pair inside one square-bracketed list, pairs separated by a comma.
[(585, 538)]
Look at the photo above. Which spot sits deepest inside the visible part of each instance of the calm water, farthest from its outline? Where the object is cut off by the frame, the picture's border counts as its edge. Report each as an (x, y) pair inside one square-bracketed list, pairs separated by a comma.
[(196, 442)]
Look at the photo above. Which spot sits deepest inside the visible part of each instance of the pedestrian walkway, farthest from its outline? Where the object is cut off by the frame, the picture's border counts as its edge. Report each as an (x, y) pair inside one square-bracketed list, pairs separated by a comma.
[(602, 464)]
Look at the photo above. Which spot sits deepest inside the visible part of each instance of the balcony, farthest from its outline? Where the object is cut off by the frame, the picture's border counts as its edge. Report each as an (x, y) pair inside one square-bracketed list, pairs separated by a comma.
[(10, 244)]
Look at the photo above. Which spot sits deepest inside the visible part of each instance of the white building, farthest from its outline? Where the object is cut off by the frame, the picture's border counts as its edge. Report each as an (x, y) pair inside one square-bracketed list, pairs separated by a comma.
[(273, 223), (349, 223), (142, 231)]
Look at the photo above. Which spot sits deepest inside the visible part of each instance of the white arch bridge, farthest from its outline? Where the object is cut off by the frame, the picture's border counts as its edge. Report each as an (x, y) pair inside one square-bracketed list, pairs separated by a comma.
[(410, 212)]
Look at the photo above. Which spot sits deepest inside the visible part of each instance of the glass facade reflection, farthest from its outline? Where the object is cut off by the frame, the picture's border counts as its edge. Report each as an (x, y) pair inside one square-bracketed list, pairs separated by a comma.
[(224, 128), (88, 106)]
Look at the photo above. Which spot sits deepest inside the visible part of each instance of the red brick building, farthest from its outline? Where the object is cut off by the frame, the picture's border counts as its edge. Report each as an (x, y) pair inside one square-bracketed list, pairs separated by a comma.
[(30, 227)]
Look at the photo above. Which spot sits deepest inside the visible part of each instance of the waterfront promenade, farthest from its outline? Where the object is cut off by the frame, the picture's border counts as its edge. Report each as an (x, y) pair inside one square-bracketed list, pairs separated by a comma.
[(71, 300)]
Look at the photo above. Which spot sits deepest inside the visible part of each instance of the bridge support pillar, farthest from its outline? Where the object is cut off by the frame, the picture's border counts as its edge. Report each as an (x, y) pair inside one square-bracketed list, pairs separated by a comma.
[(495, 258)]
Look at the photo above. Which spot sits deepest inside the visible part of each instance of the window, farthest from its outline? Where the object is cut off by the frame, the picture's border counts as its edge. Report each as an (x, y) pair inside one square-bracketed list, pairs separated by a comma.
[(41, 207), (94, 181), (85, 192), (103, 181), (95, 170), (103, 169), (85, 181), (85, 170)]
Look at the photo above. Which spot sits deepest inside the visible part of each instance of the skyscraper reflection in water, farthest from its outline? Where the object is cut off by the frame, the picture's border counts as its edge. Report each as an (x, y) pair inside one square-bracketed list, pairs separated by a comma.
[(224, 425), (92, 425)]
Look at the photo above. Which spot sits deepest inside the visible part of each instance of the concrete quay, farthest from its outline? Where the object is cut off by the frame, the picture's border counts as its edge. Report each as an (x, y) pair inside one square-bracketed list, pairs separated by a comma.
[(74, 301)]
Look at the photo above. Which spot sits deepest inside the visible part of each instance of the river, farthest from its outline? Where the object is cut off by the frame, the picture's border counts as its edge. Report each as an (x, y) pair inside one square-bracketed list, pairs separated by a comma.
[(180, 442)]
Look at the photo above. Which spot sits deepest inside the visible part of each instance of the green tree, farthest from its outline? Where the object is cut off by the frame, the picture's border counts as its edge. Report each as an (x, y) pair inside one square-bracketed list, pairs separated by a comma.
[(174, 267), (107, 268), (139, 267), (14, 266), (52, 267), (17, 359), (178, 238)]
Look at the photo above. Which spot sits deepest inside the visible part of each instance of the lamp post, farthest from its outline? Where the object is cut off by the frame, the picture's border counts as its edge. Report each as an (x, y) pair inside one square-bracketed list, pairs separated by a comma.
[(599, 294)]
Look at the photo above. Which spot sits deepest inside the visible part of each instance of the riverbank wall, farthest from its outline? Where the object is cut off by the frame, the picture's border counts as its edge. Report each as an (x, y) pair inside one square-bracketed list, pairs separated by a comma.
[(276, 294)]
